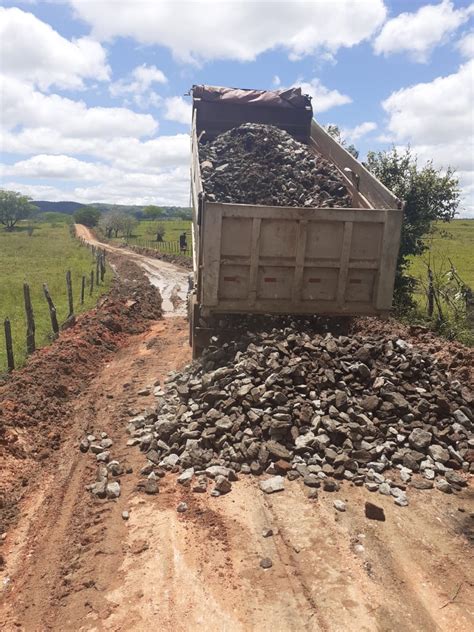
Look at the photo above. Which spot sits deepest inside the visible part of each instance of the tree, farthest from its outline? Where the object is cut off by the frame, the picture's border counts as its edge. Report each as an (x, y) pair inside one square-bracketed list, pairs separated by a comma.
[(115, 222), (160, 231), (335, 132), (185, 214), (430, 195), (153, 212), (13, 208), (128, 224), (87, 215)]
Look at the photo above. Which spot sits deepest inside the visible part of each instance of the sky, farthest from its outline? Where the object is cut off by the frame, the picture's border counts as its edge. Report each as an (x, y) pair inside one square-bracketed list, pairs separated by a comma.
[(93, 105)]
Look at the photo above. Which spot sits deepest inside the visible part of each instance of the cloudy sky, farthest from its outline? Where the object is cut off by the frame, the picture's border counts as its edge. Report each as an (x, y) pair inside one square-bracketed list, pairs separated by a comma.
[(92, 98)]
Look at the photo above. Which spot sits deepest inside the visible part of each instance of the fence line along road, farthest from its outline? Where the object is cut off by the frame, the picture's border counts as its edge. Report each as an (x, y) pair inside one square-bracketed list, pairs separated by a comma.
[(99, 268), (166, 247)]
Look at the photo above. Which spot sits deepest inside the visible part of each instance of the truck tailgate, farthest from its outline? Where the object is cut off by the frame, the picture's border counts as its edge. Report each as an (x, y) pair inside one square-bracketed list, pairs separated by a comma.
[(262, 259)]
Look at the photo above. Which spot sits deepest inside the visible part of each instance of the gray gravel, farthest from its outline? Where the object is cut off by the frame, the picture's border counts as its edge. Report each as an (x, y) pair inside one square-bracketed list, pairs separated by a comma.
[(262, 164)]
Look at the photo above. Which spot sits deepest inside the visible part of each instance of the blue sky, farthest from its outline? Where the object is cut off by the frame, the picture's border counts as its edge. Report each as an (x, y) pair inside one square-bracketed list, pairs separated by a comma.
[(92, 92)]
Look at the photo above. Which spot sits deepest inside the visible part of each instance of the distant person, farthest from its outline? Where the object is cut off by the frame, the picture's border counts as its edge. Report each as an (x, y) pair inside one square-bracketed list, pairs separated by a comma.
[(183, 242)]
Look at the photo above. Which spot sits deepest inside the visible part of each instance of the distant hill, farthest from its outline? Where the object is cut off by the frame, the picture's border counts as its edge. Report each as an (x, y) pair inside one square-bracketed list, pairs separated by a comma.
[(58, 207), (71, 207)]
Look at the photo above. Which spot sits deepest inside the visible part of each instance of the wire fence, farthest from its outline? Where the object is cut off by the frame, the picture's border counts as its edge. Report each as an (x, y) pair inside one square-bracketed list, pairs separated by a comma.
[(95, 277), (167, 247)]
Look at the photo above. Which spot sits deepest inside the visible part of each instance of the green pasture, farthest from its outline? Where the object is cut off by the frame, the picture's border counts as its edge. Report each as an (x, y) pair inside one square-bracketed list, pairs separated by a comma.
[(41, 257), (144, 234), (451, 242)]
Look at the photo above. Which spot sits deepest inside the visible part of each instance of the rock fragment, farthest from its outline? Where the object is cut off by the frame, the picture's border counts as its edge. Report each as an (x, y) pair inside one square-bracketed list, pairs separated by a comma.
[(374, 512), (272, 485), (266, 562)]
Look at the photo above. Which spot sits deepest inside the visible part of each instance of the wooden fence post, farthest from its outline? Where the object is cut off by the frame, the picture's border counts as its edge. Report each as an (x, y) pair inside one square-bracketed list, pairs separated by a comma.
[(97, 269), (30, 320), (9, 345), (69, 293), (92, 283), (430, 293), (52, 311), (102, 266), (83, 289)]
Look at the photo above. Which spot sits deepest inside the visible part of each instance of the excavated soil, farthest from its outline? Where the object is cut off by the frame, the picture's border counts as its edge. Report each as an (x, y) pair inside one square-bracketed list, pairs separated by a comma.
[(451, 355), (36, 401), (72, 562)]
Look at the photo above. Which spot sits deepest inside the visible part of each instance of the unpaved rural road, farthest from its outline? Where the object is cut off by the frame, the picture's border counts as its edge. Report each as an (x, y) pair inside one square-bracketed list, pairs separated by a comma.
[(171, 280), (75, 564)]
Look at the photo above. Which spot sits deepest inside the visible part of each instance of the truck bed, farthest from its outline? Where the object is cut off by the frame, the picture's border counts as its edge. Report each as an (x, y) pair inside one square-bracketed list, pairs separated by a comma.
[(290, 260)]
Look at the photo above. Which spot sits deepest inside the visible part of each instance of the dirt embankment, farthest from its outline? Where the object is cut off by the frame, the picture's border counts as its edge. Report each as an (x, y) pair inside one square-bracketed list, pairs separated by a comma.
[(36, 401), (179, 260), (451, 355)]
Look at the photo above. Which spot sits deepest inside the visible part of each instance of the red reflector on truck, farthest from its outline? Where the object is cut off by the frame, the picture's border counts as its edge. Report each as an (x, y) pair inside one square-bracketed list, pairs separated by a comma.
[(231, 279), (270, 279), (315, 280)]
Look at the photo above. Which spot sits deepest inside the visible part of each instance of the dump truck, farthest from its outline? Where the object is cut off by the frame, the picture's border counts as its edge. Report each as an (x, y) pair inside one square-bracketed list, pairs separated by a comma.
[(256, 259)]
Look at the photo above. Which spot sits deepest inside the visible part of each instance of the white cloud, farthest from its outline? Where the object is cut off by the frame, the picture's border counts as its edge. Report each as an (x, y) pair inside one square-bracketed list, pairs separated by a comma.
[(323, 98), (352, 135), (276, 81), (48, 166), (168, 188), (419, 32), (466, 46), (137, 86), (33, 51), (436, 119), (436, 112), (23, 106), (242, 30), (162, 152), (113, 152), (38, 191), (177, 109)]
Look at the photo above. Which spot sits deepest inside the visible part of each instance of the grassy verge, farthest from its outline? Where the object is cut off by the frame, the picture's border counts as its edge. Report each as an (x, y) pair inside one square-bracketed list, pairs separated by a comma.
[(453, 241), (450, 247), (42, 257)]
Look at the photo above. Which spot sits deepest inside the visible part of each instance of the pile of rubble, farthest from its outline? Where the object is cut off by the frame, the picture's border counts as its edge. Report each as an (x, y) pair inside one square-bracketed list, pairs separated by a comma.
[(372, 411), (262, 164)]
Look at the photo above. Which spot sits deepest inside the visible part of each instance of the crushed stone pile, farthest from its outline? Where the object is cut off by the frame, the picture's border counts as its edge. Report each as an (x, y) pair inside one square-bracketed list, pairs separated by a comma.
[(373, 411), (262, 164)]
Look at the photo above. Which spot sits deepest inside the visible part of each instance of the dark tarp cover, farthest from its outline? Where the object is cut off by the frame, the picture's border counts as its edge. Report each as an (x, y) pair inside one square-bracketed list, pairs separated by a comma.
[(290, 98)]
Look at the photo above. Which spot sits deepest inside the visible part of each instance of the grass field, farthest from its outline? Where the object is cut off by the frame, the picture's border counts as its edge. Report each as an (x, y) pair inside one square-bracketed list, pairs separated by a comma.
[(43, 257), (145, 233), (453, 241)]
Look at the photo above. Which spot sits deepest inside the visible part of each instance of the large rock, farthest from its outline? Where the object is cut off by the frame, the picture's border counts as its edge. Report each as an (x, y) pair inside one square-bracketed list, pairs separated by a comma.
[(438, 453), (271, 485), (420, 439)]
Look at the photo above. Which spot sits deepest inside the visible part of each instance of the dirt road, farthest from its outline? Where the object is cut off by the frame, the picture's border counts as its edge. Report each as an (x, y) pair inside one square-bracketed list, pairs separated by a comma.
[(73, 563), (171, 280)]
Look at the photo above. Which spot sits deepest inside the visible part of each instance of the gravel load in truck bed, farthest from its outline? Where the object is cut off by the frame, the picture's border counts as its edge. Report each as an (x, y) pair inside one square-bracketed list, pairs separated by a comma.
[(368, 410), (262, 164)]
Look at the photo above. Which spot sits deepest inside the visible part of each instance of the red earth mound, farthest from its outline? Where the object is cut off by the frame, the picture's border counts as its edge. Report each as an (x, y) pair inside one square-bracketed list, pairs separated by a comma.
[(36, 400)]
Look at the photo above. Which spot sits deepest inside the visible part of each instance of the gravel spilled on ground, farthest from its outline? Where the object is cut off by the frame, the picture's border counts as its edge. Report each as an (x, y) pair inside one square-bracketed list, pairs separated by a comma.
[(360, 410)]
